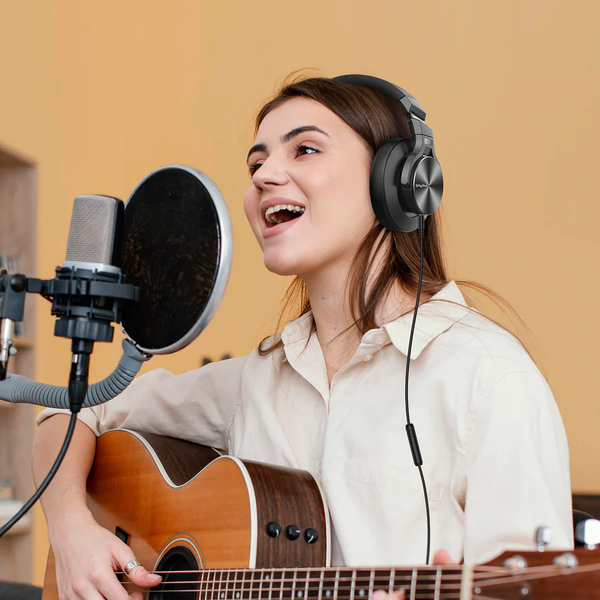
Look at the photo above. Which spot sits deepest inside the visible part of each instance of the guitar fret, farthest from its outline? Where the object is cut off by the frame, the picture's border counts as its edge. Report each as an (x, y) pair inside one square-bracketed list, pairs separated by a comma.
[(281, 579), (337, 583), (353, 585), (392, 582), (245, 584), (413, 584), (321, 585), (261, 577), (271, 576), (226, 593), (236, 590), (438, 583), (200, 596), (209, 585), (255, 593), (371, 584), (293, 594), (220, 584), (307, 577), (256, 579)]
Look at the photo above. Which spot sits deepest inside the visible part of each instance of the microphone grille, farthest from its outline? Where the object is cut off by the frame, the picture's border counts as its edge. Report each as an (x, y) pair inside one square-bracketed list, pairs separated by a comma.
[(93, 229)]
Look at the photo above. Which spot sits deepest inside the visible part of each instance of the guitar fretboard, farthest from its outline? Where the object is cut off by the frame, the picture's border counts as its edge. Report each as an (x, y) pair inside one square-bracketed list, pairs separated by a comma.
[(437, 583)]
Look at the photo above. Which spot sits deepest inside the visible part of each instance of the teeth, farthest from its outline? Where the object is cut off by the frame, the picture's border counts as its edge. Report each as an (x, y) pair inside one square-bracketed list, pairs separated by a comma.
[(274, 220)]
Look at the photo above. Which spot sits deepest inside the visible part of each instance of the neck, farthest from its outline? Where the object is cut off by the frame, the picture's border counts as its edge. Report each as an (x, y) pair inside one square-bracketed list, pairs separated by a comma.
[(340, 583), (330, 303)]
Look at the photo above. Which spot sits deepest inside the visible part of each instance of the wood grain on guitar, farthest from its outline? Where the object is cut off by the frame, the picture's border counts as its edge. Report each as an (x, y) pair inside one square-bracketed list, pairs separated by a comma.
[(220, 528)]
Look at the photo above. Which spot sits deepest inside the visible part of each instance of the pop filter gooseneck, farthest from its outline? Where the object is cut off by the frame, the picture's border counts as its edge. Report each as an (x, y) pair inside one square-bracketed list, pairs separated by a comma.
[(177, 250)]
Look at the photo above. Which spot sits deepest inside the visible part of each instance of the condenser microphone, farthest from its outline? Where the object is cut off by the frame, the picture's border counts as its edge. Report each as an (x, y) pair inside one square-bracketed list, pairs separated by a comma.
[(95, 287), (93, 259), (95, 236)]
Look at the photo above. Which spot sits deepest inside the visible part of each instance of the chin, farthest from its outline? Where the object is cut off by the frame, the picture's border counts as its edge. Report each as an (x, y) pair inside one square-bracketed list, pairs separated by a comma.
[(282, 265)]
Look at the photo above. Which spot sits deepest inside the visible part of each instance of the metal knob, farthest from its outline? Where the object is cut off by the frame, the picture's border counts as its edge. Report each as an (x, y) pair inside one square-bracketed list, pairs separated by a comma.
[(543, 536), (588, 533)]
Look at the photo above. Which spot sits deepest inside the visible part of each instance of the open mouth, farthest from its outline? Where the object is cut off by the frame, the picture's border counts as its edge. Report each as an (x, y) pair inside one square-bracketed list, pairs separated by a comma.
[(282, 213)]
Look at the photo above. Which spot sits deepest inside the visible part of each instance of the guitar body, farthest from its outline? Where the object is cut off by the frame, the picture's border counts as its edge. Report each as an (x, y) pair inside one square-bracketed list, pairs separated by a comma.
[(181, 506)]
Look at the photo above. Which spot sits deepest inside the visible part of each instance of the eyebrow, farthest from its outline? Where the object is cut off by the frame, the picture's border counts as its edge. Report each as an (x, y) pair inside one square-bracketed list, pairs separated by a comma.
[(286, 138)]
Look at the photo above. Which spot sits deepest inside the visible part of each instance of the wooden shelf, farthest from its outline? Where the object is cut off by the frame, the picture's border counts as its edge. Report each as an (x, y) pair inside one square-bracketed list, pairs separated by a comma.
[(8, 508), (18, 207), (22, 343)]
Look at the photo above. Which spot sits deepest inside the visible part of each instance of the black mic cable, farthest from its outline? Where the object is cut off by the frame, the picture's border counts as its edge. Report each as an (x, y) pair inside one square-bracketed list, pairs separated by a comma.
[(410, 428), (47, 479)]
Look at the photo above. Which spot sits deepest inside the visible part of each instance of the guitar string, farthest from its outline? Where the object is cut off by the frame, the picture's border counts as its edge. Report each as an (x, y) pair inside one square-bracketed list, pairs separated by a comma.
[(418, 595), (212, 585), (382, 582), (485, 571), (530, 574)]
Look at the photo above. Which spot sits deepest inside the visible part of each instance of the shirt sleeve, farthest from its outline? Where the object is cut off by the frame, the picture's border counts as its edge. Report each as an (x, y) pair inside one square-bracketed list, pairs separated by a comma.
[(517, 470), (197, 406)]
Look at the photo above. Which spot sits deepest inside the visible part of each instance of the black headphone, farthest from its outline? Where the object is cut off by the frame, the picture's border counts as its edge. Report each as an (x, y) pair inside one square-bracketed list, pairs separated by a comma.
[(406, 177)]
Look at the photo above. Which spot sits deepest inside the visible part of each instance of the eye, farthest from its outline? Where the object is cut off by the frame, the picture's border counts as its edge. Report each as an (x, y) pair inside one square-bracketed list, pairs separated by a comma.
[(300, 149)]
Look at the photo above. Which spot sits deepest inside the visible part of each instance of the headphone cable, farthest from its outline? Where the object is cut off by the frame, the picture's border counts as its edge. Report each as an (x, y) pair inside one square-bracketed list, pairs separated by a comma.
[(410, 428)]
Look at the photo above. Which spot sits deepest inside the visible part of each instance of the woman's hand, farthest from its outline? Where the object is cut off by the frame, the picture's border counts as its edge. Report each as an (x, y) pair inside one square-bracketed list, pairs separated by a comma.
[(87, 556), (441, 557)]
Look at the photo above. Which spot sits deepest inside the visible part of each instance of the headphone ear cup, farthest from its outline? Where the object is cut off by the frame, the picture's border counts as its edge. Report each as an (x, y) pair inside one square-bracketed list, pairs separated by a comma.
[(386, 194)]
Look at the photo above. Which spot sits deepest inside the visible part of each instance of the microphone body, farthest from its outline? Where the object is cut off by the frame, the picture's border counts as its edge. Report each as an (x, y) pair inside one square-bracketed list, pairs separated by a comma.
[(5, 345)]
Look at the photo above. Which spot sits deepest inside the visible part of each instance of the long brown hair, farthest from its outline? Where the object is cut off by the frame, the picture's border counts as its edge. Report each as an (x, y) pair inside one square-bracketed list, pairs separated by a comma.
[(376, 119)]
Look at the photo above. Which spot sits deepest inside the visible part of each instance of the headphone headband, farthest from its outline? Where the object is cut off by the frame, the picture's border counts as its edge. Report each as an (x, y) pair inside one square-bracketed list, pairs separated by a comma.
[(407, 103)]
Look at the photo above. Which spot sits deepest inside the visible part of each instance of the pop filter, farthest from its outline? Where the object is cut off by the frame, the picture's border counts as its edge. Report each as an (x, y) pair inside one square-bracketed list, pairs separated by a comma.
[(177, 248)]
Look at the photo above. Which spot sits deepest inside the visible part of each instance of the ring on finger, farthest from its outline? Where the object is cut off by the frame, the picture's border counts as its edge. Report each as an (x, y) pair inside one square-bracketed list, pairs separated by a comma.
[(132, 564)]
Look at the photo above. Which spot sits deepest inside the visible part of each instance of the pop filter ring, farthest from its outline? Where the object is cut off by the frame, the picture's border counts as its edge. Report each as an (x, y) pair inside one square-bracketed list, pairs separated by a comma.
[(223, 267)]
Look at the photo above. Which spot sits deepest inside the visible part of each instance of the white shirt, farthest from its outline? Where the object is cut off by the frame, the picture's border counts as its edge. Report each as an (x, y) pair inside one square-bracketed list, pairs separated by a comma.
[(493, 443)]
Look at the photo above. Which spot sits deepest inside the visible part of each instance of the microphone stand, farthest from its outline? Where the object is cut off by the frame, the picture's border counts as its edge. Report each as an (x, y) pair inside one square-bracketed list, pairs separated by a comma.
[(86, 303)]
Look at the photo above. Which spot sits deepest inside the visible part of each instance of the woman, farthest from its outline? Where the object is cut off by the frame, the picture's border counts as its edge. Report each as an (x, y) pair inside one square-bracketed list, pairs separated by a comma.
[(327, 393)]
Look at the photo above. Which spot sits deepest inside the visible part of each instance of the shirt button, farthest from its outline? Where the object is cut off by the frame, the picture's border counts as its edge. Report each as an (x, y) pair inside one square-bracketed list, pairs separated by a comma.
[(368, 357)]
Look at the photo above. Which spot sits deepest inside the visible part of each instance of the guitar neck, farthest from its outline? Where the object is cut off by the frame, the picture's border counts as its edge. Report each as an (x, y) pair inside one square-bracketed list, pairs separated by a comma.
[(331, 584)]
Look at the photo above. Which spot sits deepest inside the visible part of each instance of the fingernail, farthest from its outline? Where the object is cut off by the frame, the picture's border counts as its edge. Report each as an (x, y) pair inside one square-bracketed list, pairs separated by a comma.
[(379, 595), (154, 575)]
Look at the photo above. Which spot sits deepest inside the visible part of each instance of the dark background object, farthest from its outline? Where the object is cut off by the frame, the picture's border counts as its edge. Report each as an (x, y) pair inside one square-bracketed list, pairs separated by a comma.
[(589, 503), (19, 591)]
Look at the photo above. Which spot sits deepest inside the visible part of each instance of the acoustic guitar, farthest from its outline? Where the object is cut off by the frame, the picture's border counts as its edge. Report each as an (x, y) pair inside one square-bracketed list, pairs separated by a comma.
[(220, 528)]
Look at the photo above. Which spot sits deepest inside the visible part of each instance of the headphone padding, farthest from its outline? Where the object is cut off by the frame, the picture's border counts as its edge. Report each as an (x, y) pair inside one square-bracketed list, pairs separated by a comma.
[(384, 186)]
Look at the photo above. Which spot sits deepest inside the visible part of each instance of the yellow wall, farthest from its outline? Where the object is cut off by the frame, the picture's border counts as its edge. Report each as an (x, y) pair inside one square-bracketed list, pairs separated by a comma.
[(101, 92)]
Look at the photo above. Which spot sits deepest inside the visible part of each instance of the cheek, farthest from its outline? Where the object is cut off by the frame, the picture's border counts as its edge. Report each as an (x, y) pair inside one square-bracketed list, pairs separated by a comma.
[(251, 202)]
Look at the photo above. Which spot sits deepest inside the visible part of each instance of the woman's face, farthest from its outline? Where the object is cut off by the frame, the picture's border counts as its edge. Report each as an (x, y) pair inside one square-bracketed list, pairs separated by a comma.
[(306, 156)]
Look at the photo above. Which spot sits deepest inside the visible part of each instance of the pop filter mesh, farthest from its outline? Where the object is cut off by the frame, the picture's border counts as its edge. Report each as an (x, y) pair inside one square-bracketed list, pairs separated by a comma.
[(171, 251)]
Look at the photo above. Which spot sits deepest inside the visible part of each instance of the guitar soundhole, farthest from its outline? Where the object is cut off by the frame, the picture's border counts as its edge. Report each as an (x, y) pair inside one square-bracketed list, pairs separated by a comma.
[(175, 584)]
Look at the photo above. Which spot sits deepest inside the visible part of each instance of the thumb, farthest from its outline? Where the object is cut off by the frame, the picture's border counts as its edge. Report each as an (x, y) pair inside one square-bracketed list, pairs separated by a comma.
[(137, 573)]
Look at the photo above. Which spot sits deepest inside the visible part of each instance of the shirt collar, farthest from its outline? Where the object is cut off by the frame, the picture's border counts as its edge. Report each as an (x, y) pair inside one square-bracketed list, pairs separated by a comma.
[(433, 318)]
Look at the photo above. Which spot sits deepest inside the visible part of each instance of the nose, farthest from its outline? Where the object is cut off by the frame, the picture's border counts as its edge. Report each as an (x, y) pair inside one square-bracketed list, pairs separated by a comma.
[(271, 172)]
